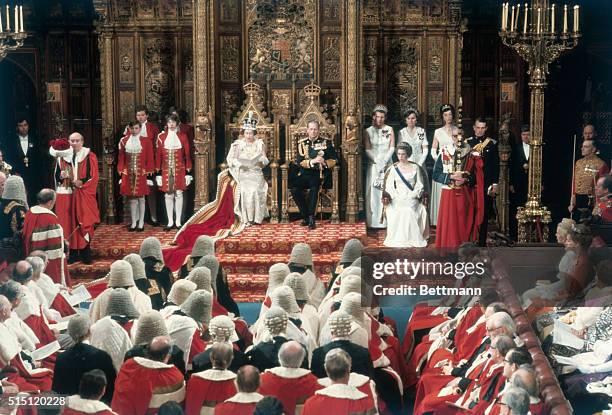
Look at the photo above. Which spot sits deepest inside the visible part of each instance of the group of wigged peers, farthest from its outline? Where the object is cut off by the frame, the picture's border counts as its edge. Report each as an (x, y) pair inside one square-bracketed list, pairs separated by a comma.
[(153, 342)]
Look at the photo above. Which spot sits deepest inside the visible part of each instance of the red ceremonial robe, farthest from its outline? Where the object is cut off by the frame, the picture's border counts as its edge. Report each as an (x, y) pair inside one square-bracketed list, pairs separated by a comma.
[(143, 385), (536, 405), (364, 385), (150, 131), (133, 168), (338, 399), (30, 312), (290, 386), (461, 209), (420, 319), (240, 404), (207, 389), (173, 164), (76, 405), (42, 231), (77, 208)]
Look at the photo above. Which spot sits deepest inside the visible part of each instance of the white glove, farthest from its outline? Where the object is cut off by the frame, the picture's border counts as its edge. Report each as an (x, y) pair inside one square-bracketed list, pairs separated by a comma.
[(158, 181), (585, 369), (371, 155), (119, 181), (188, 179), (149, 182)]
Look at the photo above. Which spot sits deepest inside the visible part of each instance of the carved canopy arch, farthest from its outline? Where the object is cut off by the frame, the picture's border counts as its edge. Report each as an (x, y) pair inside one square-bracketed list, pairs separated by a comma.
[(313, 111), (266, 130)]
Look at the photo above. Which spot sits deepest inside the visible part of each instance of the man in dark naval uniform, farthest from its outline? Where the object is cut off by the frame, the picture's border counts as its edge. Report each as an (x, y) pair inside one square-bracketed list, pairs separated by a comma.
[(23, 154), (316, 157), (488, 151)]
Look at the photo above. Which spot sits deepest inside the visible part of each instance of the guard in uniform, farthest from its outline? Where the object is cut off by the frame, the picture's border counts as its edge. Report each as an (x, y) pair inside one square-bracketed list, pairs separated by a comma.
[(587, 171), (488, 151), (316, 157)]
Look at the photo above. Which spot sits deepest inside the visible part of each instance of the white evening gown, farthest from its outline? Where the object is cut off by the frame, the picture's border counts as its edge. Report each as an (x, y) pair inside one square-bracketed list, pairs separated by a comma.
[(444, 140), (416, 142), (407, 225), (246, 161), (378, 159)]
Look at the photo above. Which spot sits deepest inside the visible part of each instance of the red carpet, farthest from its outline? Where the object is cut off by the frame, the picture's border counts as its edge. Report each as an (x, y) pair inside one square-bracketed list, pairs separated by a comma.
[(245, 257)]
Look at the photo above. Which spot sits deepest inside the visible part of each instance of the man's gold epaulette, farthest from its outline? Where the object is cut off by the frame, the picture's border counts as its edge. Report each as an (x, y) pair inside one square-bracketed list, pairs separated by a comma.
[(303, 139), (12, 204)]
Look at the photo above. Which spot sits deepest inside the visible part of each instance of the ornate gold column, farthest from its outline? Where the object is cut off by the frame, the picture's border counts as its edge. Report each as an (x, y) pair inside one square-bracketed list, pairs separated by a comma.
[(204, 98), (503, 189), (105, 46), (351, 101)]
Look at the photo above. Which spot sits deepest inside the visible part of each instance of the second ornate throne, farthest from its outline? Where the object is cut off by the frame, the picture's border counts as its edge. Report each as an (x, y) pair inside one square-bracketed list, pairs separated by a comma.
[(329, 197)]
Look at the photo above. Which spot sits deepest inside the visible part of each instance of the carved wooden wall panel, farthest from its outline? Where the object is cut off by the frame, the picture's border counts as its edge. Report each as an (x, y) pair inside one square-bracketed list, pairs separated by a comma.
[(126, 59), (229, 50), (402, 86)]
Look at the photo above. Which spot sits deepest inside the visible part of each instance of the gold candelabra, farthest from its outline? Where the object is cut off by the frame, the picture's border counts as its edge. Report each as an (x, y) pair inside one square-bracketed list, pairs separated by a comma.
[(11, 38), (532, 32)]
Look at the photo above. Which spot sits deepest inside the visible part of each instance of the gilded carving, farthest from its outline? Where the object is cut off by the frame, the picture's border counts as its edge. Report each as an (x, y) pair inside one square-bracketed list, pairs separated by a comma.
[(435, 60), (188, 101), (159, 74), (369, 101), (331, 12), (370, 58), (370, 11), (435, 99), (145, 9), (229, 11), (331, 58), (230, 102), (230, 58), (126, 109), (187, 52), (167, 8), (281, 40), (126, 64), (281, 99), (403, 79)]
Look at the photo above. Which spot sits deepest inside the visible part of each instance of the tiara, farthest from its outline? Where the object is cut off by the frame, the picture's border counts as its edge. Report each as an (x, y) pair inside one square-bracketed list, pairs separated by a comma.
[(250, 123), (410, 109), (445, 107), (580, 229), (380, 108)]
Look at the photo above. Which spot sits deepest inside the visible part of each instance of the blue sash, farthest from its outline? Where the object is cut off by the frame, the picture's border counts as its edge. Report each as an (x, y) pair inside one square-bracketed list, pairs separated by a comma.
[(403, 178)]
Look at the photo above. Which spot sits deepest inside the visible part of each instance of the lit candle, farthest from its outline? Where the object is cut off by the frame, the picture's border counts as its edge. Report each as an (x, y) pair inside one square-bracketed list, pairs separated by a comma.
[(565, 19), (518, 11), (576, 14), (17, 20), (539, 16), (552, 19), (1, 23), (525, 21), (503, 17), (8, 21), (21, 18), (512, 20)]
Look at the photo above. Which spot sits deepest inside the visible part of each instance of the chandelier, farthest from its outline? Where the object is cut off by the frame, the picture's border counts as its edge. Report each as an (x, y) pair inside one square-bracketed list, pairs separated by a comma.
[(11, 37)]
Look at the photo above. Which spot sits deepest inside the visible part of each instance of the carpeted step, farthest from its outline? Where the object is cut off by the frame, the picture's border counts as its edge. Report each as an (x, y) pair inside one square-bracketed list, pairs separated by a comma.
[(115, 241), (252, 287)]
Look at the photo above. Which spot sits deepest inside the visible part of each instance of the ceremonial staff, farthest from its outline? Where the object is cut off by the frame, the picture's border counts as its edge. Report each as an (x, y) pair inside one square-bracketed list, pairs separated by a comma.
[(573, 172)]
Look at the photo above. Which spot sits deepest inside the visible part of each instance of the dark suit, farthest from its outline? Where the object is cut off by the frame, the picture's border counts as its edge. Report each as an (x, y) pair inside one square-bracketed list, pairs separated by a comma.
[(27, 165), (490, 158), (360, 357), (264, 355), (519, 180), (74, 362)]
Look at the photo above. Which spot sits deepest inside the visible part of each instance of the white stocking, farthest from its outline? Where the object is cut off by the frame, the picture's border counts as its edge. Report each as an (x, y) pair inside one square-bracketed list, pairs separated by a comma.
[(179, 207), (134, 211), (170, 208), (141, 211)]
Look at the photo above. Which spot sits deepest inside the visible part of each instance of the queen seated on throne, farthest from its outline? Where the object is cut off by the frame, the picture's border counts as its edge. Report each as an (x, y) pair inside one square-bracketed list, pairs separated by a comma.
[(246, 159)]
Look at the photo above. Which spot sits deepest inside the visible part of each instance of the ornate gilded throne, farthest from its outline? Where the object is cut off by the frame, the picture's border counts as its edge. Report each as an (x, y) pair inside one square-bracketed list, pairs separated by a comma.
[(268, 132), (328, 197)]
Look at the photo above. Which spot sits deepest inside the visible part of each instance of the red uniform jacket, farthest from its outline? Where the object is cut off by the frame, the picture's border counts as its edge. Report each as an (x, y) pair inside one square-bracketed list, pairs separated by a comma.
[(290, 386), (208, 389), (143, 385), (42, 230), (339, 399), (79, 406), (239, 404), (134, 168), (173, 164)]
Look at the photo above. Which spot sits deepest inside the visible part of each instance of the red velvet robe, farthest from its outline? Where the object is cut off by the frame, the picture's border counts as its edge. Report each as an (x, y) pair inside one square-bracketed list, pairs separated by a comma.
[(77, 208), (239, 404), (78, 406), (207, 389), (338, 399), (178, 160), (364, 385), (461, 209), (142, 386), (42, 231), (134, 168), (291, 386), (420, 319)]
